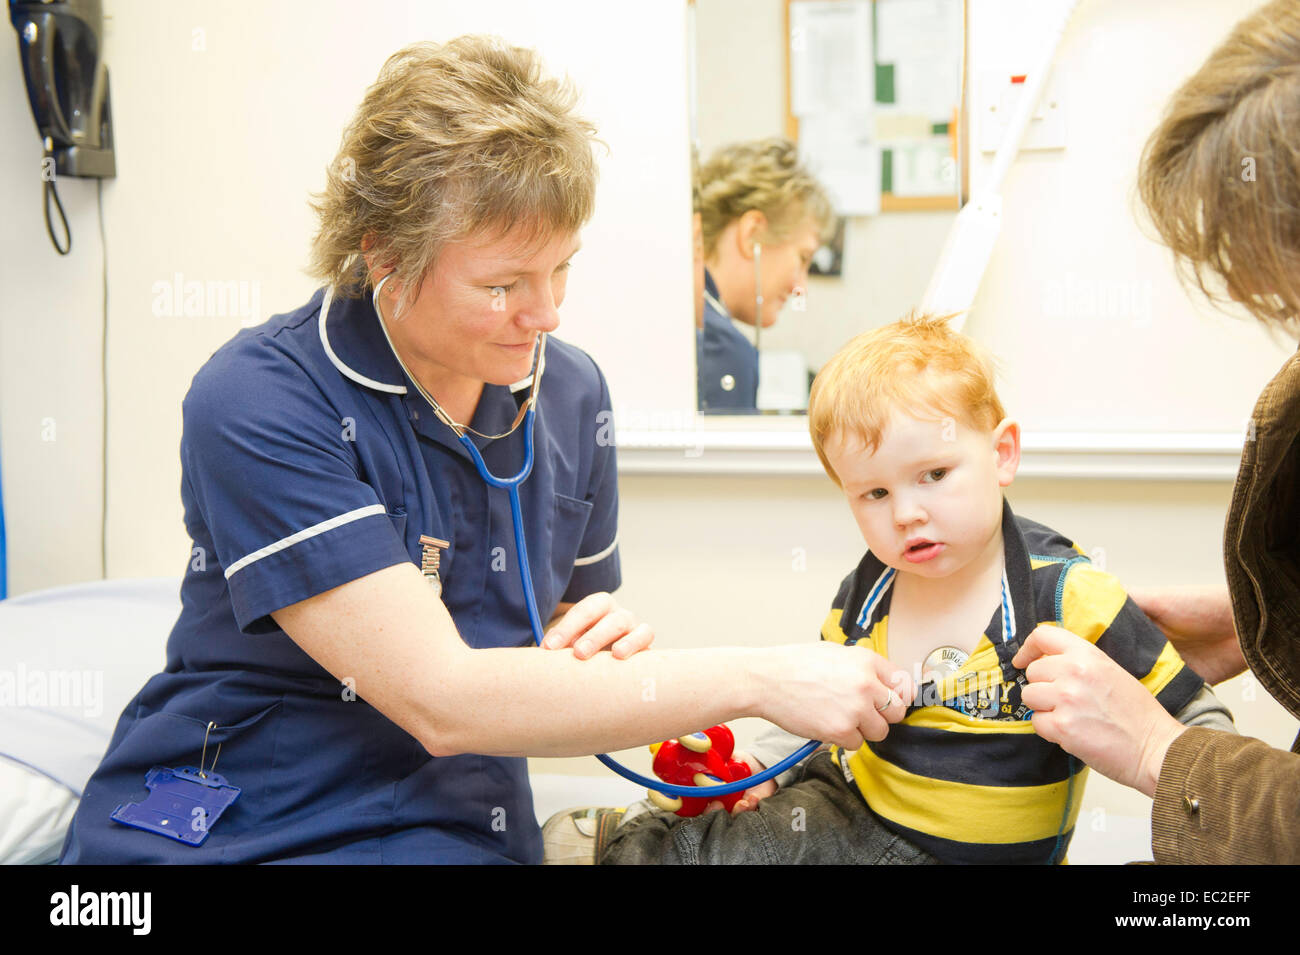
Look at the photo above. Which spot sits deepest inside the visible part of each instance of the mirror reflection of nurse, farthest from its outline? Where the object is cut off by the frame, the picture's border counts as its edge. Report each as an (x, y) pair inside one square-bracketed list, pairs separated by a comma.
[(762, 218)]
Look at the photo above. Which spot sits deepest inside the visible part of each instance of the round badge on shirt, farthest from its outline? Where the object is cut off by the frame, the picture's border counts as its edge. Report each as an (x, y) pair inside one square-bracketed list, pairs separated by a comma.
[(943, 662)]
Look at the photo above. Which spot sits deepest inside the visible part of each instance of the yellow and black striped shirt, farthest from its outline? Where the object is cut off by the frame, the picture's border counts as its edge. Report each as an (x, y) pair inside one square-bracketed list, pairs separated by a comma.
[(963, 775)]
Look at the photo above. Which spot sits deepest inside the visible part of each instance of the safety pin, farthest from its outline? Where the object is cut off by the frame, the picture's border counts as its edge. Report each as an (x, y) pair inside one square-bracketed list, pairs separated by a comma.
[(204, 755)]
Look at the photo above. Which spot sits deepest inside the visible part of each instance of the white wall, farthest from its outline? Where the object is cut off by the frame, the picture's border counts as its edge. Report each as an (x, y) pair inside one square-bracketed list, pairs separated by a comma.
[(51, 320), (226, 117), (1077, 295)]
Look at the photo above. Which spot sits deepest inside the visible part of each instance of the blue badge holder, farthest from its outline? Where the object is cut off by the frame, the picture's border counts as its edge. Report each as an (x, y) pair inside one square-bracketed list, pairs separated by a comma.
[(183, 804)]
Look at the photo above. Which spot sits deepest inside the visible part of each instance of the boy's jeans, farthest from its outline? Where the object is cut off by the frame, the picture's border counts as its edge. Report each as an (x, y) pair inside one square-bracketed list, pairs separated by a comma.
[(819, 819)]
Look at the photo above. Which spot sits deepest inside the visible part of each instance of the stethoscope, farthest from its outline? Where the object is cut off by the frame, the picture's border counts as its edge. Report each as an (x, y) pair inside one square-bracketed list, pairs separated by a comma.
[(527, 415)]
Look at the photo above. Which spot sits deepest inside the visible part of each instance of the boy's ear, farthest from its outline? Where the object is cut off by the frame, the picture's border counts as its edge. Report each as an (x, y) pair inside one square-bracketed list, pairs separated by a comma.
[(1006, 443)]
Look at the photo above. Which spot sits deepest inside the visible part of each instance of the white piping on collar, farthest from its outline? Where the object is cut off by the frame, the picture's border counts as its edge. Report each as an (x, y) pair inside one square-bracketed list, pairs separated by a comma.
[(370, 382), (712, 300), (338, 362)]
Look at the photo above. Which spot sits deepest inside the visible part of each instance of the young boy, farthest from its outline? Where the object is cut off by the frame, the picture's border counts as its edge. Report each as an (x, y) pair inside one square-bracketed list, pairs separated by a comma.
[(906, 421)]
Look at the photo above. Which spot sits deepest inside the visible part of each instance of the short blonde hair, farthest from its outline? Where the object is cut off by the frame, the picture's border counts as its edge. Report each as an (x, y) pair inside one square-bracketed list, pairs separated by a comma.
[(765, 175), (918, 364), (1220, 176), (452, 139)]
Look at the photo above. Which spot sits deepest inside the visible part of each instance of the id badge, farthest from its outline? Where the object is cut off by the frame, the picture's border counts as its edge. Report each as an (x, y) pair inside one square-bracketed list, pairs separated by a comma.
[(183, 804)]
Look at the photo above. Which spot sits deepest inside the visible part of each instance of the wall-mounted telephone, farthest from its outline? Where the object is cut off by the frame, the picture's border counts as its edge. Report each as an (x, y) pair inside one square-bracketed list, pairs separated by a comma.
[(60, 43)]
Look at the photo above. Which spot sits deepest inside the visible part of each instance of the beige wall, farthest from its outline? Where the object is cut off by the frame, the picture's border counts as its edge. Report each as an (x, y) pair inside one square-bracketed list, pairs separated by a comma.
[(51, 326), (222, 132), (1081, 306)]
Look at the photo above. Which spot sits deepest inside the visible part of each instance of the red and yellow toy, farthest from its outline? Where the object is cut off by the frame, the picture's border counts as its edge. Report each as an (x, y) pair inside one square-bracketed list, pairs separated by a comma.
[(700, 759)]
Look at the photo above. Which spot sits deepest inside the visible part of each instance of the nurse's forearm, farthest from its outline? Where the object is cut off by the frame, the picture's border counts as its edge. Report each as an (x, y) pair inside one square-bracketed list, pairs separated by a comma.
[(394, 645), (528, 702), (546, 703)]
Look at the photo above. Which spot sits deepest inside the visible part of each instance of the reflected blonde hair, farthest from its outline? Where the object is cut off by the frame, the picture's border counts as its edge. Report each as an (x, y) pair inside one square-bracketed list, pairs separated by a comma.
[(918, 366), (1220, 176), (765, 175), (452, 140)]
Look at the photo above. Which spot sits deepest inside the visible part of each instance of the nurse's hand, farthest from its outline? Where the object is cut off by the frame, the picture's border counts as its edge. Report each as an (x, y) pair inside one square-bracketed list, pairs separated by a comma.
[(837, 694), (597, 623), (1091, 707)]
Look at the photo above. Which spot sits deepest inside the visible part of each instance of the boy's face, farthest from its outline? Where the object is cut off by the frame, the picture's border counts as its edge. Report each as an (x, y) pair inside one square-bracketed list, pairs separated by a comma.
[(928, 500)]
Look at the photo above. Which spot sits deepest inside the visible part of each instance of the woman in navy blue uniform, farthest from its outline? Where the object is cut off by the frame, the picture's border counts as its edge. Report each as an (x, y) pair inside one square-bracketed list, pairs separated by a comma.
[(353, 651), (763, 216)]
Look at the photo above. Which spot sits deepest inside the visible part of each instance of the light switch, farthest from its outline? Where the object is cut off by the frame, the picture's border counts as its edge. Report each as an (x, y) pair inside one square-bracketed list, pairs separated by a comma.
[(1000, 93)]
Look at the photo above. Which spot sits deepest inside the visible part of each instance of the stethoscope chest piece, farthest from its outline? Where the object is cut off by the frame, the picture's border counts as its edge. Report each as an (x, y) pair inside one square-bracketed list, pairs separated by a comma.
[(943, 662)]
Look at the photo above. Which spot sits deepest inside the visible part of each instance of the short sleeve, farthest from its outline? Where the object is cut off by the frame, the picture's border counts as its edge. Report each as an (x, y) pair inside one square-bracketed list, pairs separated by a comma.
[(270, 478), (597, 566), (1095, 606), (832, 628)]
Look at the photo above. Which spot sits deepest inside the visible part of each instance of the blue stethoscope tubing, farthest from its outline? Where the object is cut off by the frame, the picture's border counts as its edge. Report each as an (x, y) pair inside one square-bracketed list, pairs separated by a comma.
[(511, 485), (530, 599)]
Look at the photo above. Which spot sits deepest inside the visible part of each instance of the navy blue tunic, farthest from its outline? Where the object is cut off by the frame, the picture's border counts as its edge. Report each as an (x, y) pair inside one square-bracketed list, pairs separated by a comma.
[(307, 463), (727, 362)]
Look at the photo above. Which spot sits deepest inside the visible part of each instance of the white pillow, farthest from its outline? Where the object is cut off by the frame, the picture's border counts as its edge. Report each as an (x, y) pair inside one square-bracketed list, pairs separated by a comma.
[(34, 815), (71, 658)]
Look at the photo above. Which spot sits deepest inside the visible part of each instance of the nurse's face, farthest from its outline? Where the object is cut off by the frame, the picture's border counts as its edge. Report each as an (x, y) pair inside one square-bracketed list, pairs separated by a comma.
[(783, 269), (479, 311)]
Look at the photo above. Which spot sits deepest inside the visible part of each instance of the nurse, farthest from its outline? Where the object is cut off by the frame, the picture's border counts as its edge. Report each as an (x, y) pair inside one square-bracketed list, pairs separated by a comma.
[(763, 216), (353, 651)]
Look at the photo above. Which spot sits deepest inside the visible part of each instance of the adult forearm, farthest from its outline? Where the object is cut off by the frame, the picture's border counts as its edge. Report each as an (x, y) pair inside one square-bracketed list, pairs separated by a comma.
[(528, 702), (395, 646)]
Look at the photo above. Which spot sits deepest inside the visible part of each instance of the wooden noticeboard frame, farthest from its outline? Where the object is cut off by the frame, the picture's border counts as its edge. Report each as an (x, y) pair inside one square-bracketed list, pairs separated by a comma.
[(959, 136)]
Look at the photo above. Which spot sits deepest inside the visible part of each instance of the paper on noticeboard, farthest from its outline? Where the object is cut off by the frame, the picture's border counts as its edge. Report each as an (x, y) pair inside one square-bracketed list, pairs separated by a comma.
[(831, 64), (922, 40), (838, 148), (923, 169), (833, 92)]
